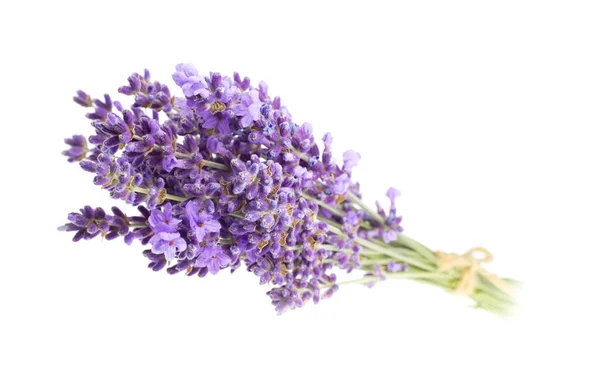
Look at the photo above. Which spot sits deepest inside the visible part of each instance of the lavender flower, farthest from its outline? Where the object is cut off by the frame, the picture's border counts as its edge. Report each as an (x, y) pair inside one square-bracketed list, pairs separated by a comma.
[(351, 159), (248, 109), (167, 243), (213, 258), (190, 82), (228, 180), (201, 221), (163, 221), (78, 148), (90, 222)]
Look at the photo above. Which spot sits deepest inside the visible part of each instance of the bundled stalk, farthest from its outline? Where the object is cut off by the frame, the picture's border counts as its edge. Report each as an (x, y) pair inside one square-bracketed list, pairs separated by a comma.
[(223, 178)]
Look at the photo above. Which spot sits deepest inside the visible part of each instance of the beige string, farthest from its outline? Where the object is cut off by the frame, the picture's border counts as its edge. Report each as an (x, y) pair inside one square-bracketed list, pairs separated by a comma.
[(469, 264)]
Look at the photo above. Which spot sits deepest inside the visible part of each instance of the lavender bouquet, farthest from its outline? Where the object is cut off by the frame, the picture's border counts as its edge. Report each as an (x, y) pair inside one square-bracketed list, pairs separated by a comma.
[(222, 179)]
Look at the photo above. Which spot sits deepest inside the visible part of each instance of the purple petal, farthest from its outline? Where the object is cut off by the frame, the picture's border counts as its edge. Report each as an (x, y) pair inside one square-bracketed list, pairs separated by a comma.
[(159, 246), (389, 236), (213, 265), (351, 159), (392, 193), (223, 125), (246, 120), (212, 225), (170, 252)]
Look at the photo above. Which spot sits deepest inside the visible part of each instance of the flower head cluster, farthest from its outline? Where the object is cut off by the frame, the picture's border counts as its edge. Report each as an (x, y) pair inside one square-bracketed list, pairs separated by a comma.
[(228, 180)]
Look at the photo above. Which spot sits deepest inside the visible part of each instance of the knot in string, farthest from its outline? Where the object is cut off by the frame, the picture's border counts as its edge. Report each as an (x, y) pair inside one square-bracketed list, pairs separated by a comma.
[(470, 266)]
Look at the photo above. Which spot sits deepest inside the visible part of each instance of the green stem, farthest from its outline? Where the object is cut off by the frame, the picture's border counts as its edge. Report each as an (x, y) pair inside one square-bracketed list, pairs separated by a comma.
[(239, 215), (377, 260), (376, 216), (219, 166), (175, 198), (301, 155), (336, 227), (400, 275), (407, 242), (167, 196), (394, 254), (206, 163), (366, 225), (203, 162), (325, 206), (486, 295)]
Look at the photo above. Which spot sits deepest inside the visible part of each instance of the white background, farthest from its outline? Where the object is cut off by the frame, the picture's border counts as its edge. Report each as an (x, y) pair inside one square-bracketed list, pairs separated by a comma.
[(484, 114)]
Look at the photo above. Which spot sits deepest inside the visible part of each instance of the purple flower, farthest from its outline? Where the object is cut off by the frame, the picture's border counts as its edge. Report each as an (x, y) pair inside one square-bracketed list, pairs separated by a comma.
[(78, 148), (101, 109), (157, 261), (392, 194), (213, 258), (168, 244), (92, 222), (389, 235), (395, 267), (186, 77), (201, 222), (341, 185), (351, 159), (227, 180), (83, 99), (248, 108), (218, 120), (88, 223), (163, 221), (327, 141)]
